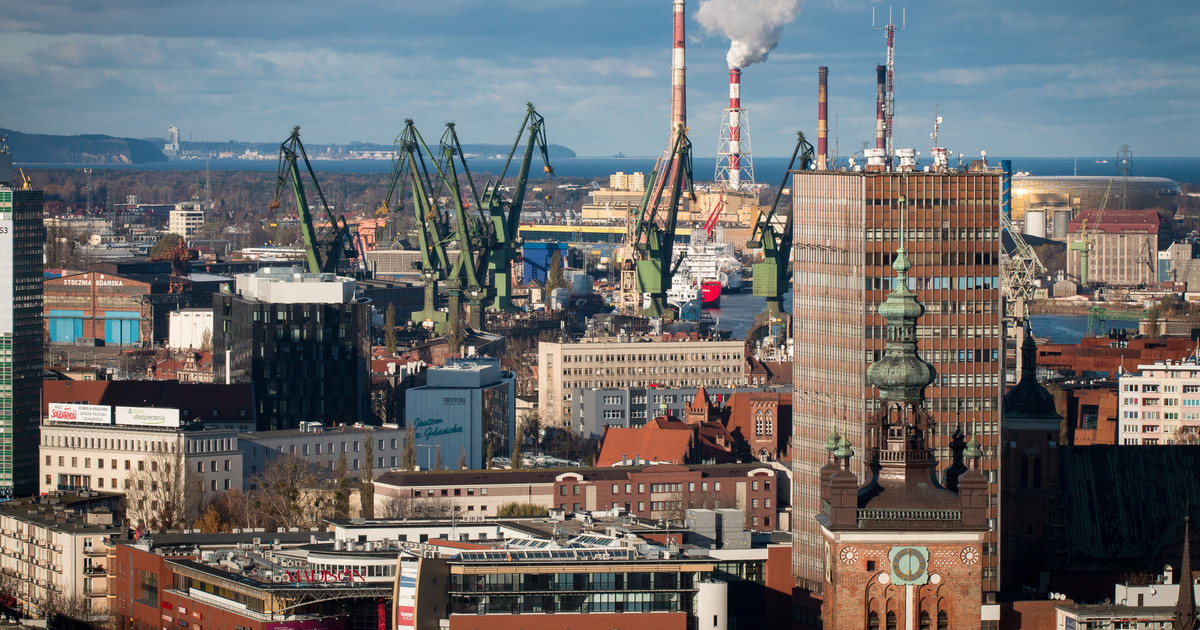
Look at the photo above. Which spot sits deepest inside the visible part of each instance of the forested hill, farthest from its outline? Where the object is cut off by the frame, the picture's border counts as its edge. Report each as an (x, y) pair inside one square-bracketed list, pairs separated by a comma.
[(32, 148)]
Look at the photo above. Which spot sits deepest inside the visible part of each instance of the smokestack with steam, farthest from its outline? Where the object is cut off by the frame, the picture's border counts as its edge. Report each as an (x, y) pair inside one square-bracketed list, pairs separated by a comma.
[(880, 125), (678, 78), (753, 28), (822, 118)]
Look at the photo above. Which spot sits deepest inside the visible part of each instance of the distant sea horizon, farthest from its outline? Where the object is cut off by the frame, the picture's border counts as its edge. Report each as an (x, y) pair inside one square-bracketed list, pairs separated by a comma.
[(767, 170)]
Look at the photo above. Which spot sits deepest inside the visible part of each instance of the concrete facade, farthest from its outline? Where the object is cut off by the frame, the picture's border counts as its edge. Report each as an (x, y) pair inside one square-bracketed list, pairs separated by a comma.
[(1160, 404), (609, 363), (466, 412)]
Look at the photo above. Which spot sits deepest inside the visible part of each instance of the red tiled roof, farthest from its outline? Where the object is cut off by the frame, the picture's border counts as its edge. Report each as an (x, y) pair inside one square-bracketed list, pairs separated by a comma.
[(660, 440)]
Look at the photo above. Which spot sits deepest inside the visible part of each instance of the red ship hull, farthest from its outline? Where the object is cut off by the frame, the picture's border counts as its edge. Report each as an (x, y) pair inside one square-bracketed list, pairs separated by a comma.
[(710, 293)]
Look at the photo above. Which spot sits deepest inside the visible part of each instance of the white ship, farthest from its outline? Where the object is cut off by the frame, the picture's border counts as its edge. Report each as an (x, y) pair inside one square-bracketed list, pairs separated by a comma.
[(708, 259)]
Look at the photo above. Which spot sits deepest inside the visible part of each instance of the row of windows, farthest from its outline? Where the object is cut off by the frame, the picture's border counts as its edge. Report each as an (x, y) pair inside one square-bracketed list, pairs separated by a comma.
[(643, 358)]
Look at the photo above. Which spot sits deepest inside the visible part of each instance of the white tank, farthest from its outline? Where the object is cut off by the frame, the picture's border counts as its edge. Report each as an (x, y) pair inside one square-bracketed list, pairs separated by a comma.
[(1035, 223), (712, 606)]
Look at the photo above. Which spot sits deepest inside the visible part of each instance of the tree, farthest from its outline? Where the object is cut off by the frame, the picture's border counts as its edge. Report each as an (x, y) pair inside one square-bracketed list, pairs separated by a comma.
[(206, 340), (366, 487), (341, 488), (210, 521), (554, 274), (165, 246), (389, 329), (408, 457), (516, 460), (522, 510), (162, 494), (530, 427), (437, 458), (408, 506), (289, 492), (462, 458)]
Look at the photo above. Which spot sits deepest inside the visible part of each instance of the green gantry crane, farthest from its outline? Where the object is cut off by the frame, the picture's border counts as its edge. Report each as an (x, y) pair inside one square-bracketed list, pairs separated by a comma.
[(772, 277), (468, 276), (506, 215), (325, 249), (651, 243), (409, 167)]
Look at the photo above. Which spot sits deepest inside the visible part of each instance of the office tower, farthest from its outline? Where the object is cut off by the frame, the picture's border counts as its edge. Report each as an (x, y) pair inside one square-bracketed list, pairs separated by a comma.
[(301, 339), (21, 238), (846, 232)]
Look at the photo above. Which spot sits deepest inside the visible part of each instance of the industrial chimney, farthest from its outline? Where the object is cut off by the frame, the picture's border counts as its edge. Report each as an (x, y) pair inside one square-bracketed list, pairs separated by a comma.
[(822, 118), (735, 168), (678, 79)]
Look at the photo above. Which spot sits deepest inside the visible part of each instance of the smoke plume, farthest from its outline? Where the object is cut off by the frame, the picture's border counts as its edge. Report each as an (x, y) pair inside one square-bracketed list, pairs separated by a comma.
[(753, 26)]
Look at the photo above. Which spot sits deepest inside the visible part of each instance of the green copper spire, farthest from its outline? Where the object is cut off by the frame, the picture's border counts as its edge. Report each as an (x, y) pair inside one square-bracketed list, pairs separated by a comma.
[(831, 444), (843, 449), (901, 375)]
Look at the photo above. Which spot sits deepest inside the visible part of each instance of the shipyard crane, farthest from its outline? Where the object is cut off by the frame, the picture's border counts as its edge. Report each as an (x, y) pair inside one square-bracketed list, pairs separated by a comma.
[(647, 267), (505, 215), (468, 276), (324, 249), (1084, 245), (1020, 269), (713, 217), (409, 167), (772, 277)]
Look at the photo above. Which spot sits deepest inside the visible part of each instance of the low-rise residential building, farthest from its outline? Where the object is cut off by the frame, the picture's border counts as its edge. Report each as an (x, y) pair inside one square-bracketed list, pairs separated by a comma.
[(186, 219), (1161, 403), (52, 550), (617, 363)]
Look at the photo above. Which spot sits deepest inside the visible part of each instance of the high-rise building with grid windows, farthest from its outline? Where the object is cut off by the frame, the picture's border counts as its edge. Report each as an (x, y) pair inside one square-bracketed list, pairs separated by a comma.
[(847, 227), (21, 238)]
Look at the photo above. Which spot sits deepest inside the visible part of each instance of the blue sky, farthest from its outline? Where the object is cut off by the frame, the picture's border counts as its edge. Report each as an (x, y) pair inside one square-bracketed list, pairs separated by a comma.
[(1061, 78)]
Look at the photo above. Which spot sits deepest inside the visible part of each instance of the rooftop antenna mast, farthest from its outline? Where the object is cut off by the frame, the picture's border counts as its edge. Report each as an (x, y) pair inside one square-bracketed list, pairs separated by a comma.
[(890, 102)]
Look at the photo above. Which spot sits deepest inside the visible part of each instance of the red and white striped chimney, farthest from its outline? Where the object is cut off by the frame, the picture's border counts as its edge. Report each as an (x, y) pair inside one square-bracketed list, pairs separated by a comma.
[(735, 128), (678, 78), (822, 118), (880, 125)]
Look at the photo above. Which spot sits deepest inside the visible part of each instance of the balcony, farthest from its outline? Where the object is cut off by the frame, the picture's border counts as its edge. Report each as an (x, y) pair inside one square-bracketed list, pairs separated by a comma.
[(93, 570), (95, 591)]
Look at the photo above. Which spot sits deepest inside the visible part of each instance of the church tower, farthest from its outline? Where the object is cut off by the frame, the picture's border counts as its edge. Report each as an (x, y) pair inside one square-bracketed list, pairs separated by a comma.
[(901, 550), (1030, 534)]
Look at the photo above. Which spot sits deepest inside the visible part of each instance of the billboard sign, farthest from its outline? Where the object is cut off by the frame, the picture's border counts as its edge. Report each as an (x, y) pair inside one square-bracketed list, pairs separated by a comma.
[(406, 597), (148, 417), (70, 412)]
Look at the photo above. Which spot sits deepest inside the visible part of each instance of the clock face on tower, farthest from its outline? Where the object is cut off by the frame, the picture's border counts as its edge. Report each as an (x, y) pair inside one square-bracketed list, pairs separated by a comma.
[(910, 565)]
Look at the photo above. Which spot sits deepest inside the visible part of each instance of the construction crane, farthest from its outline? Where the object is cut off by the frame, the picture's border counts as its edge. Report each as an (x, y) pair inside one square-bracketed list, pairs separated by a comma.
[(772, 277), (26, 183), (1020, 269), (647, 267), (1084, 244), (175, 251), (713, 217), (324, 250), (505, 215)]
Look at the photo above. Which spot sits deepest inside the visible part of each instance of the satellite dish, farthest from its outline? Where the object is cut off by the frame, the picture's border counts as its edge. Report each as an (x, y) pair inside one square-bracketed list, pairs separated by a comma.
[(938, 120), (983, 154)]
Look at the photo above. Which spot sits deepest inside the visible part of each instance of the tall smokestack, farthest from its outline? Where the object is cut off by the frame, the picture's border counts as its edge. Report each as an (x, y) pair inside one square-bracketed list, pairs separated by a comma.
[(678, 79), (735, 128), (880, 125), (822, 118)]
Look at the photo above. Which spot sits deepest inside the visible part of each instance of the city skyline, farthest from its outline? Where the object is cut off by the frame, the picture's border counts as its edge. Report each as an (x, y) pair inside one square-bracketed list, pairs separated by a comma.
[(1070, 78)]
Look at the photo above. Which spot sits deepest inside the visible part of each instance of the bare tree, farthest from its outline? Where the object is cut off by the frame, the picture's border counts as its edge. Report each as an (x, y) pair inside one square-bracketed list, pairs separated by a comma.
[(409, 455), (290, 492), (162, 494), (408, 506), (69, 610)]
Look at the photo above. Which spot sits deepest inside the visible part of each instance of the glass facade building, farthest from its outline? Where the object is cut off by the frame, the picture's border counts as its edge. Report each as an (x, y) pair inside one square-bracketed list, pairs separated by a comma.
[(847, 229), (21, 332)]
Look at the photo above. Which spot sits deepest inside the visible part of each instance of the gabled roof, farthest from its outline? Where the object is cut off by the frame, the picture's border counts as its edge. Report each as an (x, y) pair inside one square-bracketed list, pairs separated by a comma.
[(660, 440)]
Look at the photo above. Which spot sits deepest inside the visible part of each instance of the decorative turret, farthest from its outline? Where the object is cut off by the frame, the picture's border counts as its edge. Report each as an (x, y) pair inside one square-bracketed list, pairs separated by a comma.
[(1185, 606), (901, 375)]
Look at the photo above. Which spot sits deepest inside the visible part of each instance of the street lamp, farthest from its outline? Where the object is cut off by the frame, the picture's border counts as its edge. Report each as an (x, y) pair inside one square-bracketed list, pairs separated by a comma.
[(429, 457)]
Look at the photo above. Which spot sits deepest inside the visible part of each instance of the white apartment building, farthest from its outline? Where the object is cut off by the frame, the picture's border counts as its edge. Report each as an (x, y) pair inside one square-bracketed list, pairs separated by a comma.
[(186, 219), (610, 363), (91, 454), (1161, 403), (53, 546)]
